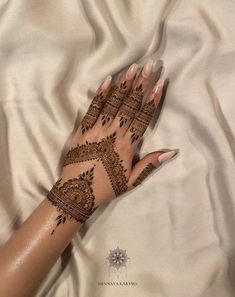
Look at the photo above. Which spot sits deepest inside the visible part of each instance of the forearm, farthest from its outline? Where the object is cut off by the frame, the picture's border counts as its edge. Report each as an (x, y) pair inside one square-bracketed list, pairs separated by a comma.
[(29, 254)]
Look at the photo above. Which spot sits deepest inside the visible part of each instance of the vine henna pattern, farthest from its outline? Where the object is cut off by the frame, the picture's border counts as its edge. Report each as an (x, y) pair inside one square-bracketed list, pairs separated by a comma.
[(131, 105), (113, 103), (74, 198), (103, 151)]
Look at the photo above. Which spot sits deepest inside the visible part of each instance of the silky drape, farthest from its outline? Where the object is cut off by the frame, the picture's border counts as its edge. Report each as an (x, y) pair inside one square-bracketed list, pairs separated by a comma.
[(177, 228)]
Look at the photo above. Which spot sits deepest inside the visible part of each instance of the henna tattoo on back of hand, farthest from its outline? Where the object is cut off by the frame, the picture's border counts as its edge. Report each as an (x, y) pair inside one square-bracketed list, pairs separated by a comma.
[(74, 198), (103, 151), (93, 112), (144, 173), (113, 103), (142, 120), (131, 105)]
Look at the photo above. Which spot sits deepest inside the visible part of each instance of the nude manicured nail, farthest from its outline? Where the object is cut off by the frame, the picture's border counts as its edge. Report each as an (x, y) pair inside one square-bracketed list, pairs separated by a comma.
[(106, 82), (159, 85), (167, 155), (131, 71), (147, 70)]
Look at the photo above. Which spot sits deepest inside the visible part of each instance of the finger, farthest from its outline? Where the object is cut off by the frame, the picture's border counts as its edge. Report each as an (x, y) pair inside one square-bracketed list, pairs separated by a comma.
[(148, 164), (143, 117), (132, 104), (117, 96), (96, 105)]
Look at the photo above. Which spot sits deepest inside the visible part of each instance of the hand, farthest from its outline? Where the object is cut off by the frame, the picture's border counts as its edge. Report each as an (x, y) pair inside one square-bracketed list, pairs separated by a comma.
[(98, 166)]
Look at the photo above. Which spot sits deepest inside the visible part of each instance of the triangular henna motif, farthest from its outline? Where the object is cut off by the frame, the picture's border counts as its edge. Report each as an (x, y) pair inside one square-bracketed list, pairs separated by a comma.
[(105, 152), (74, 198)]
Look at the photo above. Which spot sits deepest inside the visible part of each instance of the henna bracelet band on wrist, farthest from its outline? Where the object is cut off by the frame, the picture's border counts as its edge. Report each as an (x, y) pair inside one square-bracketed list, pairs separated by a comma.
[(75, 197)]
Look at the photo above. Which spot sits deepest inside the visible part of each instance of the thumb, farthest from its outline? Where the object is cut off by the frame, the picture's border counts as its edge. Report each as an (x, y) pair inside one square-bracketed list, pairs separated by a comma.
[(146, 165)]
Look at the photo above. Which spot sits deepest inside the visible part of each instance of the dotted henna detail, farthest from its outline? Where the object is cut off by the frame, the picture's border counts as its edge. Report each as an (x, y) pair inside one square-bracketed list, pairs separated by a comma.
[(131, 105), (142, 120), (73, 199), (144, 173), (113, 103), (93, 112), (103, 151)]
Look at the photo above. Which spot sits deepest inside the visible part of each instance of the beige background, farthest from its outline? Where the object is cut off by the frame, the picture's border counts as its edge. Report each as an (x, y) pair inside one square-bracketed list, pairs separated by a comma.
[(178, 228)]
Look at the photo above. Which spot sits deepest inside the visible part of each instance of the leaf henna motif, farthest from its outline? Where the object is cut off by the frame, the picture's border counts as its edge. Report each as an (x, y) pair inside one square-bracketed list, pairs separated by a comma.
[(105, 152), (142, 120), (131, 105), (113, 103), (74, 198)]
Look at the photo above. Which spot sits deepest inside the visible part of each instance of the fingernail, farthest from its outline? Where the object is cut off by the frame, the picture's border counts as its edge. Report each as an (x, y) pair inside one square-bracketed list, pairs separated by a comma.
[(147, 69), (160, 83), (106, 83), (167, 155), (131, 71), (158, 86)]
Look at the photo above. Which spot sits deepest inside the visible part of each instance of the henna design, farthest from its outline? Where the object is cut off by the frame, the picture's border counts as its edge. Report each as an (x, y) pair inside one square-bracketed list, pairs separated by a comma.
[(113, 103), (93, 112), (103, 151), (144, 173), (130, 106), (142, 120), (74, 198)]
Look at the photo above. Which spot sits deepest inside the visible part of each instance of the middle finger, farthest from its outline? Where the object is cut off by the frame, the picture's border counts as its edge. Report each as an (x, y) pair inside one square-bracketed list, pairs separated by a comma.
[(132, 104), (116, 97)]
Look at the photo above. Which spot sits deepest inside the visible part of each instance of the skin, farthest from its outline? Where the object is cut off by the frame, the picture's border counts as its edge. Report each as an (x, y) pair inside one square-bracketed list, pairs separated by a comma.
[(28, 256)]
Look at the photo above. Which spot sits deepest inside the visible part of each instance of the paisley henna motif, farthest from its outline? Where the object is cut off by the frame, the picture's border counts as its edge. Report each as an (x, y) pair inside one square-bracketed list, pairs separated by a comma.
[(74, 198), (131, 105), (93, 112), (103, 151), (142, 120), (113, 103), (144, 173)]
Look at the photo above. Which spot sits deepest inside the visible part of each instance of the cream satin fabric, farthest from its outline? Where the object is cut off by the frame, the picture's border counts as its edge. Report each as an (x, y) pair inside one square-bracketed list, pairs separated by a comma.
[(177, 228)]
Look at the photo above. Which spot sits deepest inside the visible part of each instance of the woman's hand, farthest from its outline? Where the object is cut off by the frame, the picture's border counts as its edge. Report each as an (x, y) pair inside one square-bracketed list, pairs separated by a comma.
[(98, 166)]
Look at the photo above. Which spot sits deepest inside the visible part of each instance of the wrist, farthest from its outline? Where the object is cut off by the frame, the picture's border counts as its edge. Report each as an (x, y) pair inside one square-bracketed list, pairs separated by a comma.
[(74, 198)]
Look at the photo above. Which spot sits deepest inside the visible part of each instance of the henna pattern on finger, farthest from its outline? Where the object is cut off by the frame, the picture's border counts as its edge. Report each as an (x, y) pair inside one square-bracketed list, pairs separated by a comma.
[(93, 112), (144, 173), (142, 120), (103, 151), (74, 199), (113, 103), (131, 105)]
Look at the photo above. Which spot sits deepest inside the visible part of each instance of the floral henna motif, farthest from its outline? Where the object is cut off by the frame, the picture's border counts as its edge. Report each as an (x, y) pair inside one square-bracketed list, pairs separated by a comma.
[(93, 112), (103, 151), (144, 173), (113, 103), (142, 120), (73, 199), (131, 105)]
